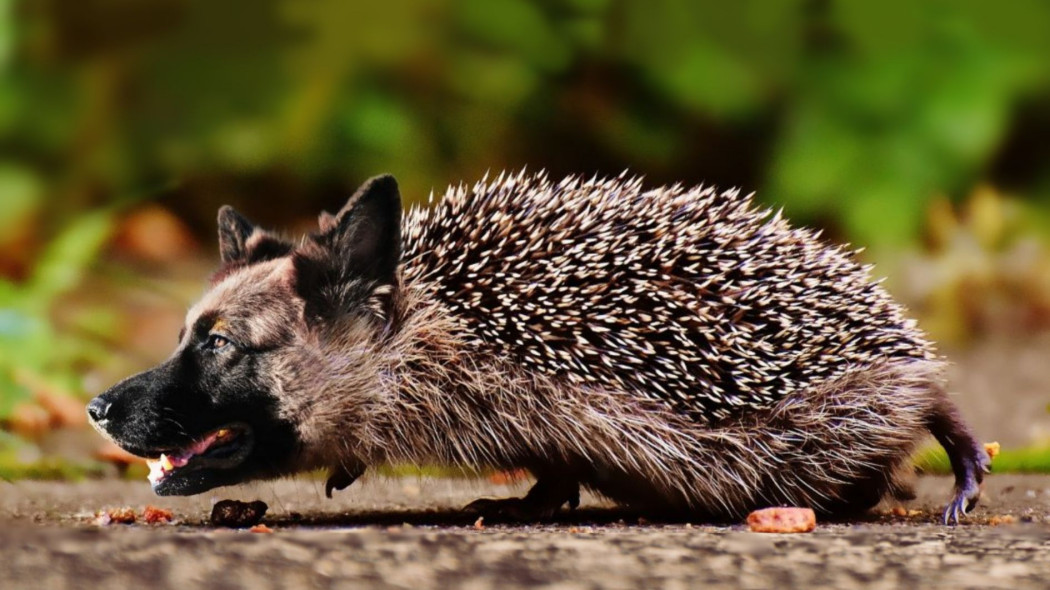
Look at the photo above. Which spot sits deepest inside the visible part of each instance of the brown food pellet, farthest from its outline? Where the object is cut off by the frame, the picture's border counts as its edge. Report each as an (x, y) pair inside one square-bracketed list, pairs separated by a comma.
[(235, 514), (784, 519), (154, 515)]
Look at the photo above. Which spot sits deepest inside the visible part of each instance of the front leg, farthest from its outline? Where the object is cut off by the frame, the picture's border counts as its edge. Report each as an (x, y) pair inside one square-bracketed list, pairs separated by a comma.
[(968, 458), (545, 498)]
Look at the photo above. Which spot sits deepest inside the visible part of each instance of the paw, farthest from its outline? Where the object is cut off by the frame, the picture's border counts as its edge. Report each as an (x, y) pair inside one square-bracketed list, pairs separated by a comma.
[(968, 487), (963, 502)]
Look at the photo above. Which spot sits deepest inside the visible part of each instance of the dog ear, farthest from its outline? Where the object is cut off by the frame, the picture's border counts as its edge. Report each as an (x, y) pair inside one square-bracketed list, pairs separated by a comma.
[(241, 243), (326, 221), (366, 233), (352, 264), (234, 231)]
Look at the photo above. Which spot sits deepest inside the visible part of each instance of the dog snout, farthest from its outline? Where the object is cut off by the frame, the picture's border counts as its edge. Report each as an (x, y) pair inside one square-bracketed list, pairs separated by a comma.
[(98, 410)]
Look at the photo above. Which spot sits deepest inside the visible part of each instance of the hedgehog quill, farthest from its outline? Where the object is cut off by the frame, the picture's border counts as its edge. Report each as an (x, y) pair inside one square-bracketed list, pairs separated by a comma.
[(677, 350)]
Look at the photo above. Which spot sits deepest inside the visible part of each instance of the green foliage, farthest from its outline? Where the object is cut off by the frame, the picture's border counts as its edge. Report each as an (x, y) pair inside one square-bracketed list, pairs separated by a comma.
[(848, 113), (917, 107), (1024, 460), (31, 343)]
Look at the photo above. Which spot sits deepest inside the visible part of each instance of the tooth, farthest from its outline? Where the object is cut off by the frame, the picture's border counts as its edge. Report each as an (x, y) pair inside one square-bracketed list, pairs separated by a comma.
[(156, 471), (222, 432), (165, 463)]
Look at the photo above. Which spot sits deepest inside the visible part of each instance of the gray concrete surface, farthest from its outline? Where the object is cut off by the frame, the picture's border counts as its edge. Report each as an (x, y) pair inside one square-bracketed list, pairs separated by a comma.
[(407, 533)]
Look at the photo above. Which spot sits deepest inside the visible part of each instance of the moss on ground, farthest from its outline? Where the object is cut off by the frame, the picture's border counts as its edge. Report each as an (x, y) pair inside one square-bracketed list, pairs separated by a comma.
[(1027, 460)]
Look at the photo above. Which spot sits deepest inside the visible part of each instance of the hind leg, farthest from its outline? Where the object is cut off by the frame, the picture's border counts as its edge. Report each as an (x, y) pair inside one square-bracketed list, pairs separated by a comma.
[(544, 499), (968, 458)]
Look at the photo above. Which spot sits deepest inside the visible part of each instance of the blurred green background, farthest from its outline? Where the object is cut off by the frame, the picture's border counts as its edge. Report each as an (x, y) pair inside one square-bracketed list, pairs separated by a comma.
[(917, 129)]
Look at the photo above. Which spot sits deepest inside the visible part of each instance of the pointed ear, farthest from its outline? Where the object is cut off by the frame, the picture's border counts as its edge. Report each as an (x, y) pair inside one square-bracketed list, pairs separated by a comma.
[(234, 231), (241, 243), (366, 233), (326, 221), (352, 265)]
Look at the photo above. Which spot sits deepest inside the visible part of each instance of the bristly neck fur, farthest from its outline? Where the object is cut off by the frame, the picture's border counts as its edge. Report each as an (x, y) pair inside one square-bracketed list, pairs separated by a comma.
[(425, 392), (428, 393), (388, 391)]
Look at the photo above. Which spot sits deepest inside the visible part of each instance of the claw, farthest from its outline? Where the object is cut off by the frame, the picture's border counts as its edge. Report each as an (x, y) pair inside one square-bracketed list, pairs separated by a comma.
[(951, 513), (341, 477), (966, 495)]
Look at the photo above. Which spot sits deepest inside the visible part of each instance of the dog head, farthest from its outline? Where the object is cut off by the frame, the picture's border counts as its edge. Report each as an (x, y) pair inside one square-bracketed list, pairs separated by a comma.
[(239, 398)]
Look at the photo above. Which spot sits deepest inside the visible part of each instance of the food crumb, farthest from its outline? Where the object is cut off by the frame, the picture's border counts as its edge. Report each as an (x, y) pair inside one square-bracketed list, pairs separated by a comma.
[(1003, 519), (123, 515), (260, 528), (783, 519), (155, 515), (992, 449), (479, 523)]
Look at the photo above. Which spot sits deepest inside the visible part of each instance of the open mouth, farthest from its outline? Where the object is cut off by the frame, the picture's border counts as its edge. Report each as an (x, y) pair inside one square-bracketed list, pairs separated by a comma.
[(222, 448)]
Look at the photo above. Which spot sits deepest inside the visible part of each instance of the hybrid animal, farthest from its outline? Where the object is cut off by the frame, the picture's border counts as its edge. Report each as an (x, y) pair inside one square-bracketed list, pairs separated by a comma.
[(677, 350)]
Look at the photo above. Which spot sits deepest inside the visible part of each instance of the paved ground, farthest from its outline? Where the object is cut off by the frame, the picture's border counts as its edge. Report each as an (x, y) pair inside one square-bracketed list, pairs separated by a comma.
[(406, 533)]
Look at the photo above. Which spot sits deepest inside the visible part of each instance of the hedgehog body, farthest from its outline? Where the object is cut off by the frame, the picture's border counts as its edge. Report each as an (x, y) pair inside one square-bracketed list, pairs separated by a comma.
[(674, 349), (689, 297)]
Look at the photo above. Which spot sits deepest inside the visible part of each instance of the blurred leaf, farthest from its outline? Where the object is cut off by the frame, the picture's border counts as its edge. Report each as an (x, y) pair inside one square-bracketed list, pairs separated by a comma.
[(245, 144), (383, 124), (11, 393), (517, 26), (708, 79), (494, 80), (8, 29), (64, 261), (20, 193)]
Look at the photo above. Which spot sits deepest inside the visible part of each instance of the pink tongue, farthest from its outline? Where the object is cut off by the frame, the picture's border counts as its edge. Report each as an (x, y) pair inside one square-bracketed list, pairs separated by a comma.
[(180, 459), (183, 457)]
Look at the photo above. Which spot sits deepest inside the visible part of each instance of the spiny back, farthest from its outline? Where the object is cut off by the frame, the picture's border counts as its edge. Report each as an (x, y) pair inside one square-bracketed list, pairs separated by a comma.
[(687, 296)]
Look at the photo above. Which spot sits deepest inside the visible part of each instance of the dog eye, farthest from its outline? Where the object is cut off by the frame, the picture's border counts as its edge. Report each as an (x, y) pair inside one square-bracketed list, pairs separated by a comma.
[(217, 342)]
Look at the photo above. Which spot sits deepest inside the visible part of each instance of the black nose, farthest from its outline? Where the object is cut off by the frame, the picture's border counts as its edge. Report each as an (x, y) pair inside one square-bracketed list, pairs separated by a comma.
[(98, 409)]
